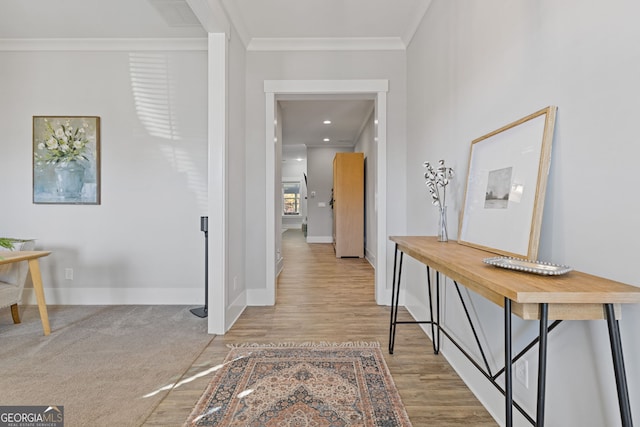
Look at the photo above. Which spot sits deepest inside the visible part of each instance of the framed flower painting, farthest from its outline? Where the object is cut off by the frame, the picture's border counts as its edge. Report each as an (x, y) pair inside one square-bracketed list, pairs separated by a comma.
[(66, 160)]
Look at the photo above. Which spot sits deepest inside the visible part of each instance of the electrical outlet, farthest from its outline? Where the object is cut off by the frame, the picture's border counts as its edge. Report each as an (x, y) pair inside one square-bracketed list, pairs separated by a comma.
[(235, 282), (522, 372), (68, 273)]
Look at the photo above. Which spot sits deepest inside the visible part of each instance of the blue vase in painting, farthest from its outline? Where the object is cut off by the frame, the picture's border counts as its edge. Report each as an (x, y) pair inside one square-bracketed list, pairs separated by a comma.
[(69, 179)]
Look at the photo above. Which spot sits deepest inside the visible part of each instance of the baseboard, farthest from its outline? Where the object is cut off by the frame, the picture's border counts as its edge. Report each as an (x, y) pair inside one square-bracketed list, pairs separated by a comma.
[(235, 309), (279, 266), (117, 296), (383, 297), (260, 297), (319, 239), (370, 257)]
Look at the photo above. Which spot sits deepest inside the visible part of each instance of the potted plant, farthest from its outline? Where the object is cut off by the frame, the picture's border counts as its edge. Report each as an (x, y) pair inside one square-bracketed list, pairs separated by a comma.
[(6, 242), (11, 243)]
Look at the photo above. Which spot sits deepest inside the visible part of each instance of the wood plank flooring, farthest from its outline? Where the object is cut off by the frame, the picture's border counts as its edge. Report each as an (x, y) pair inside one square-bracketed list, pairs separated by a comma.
[(321, 298)]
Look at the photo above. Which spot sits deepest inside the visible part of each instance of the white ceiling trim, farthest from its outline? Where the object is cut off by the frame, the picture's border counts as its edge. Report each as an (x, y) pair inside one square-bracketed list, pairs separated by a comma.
[(415, 22), (236, 19), (212, 16), (326, 44), (325, 87), (173, 44)]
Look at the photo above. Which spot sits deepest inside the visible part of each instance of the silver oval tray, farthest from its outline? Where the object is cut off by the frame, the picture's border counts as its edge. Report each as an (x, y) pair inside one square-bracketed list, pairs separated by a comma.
[(536, 267)]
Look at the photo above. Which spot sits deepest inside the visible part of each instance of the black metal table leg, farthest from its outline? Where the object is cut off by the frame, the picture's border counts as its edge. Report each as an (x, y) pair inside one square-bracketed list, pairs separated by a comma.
[(618, 366), (436, 346), (438, 310), (508, 378), (542, 364), (395, 296)]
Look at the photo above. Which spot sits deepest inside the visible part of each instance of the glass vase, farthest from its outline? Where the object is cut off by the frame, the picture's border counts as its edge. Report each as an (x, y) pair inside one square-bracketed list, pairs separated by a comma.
[(69, 179), (442, 225)]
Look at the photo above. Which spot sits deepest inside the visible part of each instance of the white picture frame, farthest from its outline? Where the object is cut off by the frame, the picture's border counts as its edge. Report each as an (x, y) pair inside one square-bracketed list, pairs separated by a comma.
[(506, 184)]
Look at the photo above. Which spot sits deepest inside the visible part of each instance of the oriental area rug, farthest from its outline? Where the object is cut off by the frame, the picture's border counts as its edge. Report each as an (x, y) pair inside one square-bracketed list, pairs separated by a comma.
[(301, 385)]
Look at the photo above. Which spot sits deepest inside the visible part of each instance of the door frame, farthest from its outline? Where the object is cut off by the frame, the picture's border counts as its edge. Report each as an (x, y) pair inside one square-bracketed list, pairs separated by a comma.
[(377, 88)]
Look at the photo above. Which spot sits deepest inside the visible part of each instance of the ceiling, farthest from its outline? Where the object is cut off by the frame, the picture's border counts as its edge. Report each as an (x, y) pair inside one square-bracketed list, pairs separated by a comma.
[(255, 20), (303, 123), (73, 19), (261, 24), (326, 19)]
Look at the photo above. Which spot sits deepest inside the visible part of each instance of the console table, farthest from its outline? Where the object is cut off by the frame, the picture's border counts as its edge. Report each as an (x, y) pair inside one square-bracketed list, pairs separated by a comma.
[(31, 257), (572, 296)]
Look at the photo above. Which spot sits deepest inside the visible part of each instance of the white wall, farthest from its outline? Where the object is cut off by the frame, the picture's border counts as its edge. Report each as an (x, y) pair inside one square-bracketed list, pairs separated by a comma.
[(320, 65), (236, 202), (277, 215), (320, 175), (143, 243), (366, 144), (475, 66)]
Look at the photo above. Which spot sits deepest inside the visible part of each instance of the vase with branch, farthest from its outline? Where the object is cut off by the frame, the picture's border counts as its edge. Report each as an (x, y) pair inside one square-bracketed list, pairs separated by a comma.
[(437, 180)]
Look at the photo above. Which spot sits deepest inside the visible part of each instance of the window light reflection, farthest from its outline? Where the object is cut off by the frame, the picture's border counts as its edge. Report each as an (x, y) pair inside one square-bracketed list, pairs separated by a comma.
[(191, 378), (153, 89), (153, 94)]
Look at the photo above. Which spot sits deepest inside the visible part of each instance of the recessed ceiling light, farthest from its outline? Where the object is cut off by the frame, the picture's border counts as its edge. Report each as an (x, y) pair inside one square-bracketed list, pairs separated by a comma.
[(326, 140), (299, 159), (327, 122)]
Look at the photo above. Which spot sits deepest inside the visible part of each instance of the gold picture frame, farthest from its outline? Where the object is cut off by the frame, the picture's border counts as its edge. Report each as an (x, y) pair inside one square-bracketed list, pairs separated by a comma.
[(506, 185)]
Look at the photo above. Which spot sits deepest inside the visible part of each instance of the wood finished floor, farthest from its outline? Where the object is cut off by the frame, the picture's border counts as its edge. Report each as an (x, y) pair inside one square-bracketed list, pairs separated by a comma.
[(321, 298)]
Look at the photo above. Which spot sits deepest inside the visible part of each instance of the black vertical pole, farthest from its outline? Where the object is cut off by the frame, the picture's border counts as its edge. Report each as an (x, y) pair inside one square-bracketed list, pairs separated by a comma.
[(204, 311)]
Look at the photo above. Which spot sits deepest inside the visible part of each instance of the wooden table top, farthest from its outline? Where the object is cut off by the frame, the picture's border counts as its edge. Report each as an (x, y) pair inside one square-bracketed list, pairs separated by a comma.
[(465, 265), (7, 257)]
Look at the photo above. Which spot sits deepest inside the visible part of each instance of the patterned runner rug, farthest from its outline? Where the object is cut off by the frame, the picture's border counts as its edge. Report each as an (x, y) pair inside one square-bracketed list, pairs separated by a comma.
[(308, 385)]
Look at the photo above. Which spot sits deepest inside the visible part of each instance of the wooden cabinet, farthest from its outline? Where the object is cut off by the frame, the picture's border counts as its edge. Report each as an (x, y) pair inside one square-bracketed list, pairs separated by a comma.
[(348, 205)]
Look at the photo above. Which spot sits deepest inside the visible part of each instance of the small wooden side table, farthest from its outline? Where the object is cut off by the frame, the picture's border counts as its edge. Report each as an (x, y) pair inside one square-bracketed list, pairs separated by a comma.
[(31, 257)]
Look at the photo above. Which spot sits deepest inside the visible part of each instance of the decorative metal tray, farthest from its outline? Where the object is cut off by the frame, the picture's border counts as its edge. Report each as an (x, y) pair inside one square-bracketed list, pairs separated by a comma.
[(536, 267)]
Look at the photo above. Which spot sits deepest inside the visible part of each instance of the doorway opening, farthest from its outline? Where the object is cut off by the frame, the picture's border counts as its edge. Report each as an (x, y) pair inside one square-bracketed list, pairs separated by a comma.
[(376, 90)]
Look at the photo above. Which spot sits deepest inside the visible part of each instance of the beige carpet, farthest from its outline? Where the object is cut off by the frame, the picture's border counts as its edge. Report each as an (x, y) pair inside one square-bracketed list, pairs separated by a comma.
[(108, 366)]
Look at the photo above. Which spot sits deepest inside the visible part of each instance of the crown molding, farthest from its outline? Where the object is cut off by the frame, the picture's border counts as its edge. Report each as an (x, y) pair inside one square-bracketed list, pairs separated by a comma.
[(416, 21), (235, 17), (326, 44), (212, 16), (105, 44)]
